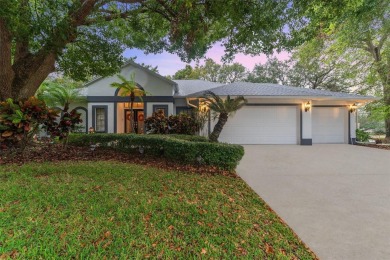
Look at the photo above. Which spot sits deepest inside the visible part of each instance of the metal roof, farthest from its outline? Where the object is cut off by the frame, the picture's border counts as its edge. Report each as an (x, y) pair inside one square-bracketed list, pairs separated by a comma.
[(275, 90), (188, 87)]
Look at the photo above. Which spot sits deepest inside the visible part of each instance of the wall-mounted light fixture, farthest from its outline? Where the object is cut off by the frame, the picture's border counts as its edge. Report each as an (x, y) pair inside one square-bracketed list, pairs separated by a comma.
[(352, 108), (307, 106)]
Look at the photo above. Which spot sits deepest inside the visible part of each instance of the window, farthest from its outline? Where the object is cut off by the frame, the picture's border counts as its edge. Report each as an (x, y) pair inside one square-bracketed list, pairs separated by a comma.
[(100, 119), (161, 109), (185, 110)]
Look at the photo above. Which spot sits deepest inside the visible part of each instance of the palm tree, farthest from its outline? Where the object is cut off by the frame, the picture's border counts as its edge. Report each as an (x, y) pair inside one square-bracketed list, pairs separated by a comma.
[(129, 88), (60, 92), (222, 109)]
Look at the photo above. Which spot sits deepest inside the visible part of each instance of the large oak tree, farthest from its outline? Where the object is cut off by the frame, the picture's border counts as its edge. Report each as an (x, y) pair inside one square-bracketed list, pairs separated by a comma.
[(360, 27), (85, 38)]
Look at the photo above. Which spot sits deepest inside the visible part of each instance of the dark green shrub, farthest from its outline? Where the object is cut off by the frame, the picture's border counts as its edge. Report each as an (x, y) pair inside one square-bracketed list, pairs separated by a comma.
[(362, 136), (192, 151), (191, 138), (183, 124)]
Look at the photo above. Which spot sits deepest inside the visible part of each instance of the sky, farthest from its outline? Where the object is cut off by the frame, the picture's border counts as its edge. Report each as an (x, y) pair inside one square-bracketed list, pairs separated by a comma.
[(168, 63)]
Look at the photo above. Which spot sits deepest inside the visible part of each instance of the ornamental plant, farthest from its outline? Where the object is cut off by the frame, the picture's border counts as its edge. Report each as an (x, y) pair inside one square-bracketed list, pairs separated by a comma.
[(19, 121), (175, 124), (157, 123), (183, 124)]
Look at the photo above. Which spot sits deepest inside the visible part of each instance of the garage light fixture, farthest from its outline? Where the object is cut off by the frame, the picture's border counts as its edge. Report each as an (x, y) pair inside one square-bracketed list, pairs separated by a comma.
[(307, 106), (352, 108)]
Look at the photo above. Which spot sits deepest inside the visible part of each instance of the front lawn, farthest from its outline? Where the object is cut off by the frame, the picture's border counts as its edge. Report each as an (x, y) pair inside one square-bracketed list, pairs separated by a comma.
[(115, 210)]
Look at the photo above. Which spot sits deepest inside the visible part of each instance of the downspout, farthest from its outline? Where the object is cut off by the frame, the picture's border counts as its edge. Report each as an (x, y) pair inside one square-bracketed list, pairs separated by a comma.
[(189, 104)]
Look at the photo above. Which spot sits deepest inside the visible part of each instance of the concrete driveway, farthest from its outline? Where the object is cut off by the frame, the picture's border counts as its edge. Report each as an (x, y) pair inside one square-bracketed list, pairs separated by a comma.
[(335, 197)]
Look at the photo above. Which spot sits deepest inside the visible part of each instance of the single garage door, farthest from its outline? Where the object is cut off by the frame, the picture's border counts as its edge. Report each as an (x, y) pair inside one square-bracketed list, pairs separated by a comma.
[(328, 125), (262, 125)]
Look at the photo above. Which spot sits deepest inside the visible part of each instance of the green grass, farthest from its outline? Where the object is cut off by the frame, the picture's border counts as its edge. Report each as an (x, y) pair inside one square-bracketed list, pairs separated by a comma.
[(95, 210)]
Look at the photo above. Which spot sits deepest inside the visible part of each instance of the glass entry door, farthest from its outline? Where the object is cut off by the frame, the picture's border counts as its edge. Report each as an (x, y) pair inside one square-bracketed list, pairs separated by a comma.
[(138, 121)]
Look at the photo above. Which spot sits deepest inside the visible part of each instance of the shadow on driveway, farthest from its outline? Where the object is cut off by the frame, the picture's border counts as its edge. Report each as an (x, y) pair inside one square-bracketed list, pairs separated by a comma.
[(335, 197)]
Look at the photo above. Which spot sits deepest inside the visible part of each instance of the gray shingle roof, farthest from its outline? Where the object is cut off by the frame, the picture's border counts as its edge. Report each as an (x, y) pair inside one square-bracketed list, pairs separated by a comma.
[(188, 87), (269, 89)]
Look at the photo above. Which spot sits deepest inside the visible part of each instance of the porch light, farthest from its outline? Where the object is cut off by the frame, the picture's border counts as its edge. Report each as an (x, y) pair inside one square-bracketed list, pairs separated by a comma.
[(127, 105), (352, 108), (307, 106)]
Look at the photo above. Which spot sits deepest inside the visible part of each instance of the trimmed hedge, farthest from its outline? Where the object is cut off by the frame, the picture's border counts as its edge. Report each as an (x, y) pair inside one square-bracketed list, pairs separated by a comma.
[(179, 148)]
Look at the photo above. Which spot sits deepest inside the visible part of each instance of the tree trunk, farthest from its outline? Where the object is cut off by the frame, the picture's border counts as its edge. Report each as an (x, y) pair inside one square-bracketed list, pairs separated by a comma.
[(222, 119), (6, 72), (132, 98), (22, 73)]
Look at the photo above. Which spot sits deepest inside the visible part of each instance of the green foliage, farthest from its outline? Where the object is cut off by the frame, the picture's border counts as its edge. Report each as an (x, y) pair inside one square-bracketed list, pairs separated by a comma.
[(212, 71), (128, 87), (157, 124), (222, 109), (20, 120), (183, 124), (174, 124), (362, 136), (186, 150), (93, 43), (60, 92), (69, 122), (273, 71), (223, 106)]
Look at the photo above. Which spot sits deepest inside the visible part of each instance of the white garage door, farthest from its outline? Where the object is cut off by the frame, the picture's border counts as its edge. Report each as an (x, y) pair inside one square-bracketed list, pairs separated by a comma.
[(329, 125), (262, 125)]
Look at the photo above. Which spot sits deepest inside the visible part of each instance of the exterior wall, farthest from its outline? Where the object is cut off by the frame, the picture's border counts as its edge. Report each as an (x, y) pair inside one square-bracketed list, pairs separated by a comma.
[(149, 107), (152, 84), (353, 126), (83, 109), (110, 115), (305, 120), (306, 126)]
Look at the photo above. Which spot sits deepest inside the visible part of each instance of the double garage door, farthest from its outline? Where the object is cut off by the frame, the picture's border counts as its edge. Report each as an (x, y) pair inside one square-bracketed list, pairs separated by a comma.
[(281, 125)]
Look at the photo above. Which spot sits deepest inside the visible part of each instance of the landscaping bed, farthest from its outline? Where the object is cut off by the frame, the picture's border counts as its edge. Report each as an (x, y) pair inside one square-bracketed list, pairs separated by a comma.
[(181, 149), (41, 153), (377, 146), (112, 210)]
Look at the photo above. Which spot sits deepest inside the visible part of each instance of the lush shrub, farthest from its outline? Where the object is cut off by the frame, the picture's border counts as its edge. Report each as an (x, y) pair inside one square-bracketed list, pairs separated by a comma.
[(362, 136), (183, 124), (175, 124), (157, 123), (68, 123), (20, 120), (192, 151), (191, 138)]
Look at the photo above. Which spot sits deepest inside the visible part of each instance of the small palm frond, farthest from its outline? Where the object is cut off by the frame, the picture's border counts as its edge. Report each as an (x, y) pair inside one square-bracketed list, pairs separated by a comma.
[(228, 106), (59, 94), (128, 86)]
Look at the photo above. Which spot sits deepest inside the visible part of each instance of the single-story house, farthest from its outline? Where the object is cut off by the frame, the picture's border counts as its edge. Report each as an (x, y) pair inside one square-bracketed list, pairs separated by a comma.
[(274, 114)]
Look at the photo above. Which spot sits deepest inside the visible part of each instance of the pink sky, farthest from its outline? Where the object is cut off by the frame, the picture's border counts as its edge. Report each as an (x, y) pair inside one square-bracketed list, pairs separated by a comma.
[(168, 63)]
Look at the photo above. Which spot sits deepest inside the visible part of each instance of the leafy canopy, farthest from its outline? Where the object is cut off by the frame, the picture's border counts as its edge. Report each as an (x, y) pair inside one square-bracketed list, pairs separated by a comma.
[(89, 36)]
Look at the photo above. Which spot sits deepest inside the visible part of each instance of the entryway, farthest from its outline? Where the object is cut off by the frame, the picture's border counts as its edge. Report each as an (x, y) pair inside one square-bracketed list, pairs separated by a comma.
[(138, 120)]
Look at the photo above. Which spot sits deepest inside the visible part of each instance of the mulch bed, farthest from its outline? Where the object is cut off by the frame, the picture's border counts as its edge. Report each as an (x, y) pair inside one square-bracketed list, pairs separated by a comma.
[(39, 153), (377, 146)]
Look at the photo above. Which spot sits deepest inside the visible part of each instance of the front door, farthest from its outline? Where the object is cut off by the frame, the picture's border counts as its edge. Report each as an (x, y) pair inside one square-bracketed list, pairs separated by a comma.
[(138, 118)]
